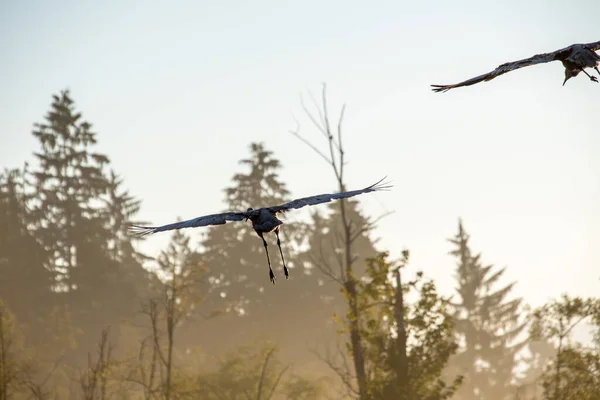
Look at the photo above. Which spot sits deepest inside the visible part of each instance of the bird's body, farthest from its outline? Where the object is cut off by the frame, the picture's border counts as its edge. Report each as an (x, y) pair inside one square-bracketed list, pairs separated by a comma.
[(264, 220), (574, 58)]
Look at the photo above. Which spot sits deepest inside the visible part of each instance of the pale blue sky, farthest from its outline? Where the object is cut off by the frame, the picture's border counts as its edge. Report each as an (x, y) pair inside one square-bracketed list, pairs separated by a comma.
[(177, 92)]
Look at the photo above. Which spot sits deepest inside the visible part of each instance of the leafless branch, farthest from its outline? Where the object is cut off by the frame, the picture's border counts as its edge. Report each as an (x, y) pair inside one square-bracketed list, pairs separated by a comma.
[(95, 378), (343, 371), (277, 381), (310, 145), (263, 372), (345, 278), (369, 226)]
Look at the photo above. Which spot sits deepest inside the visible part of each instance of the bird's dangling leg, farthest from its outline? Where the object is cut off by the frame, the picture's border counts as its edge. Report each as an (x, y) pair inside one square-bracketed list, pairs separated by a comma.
[(271, 274), (593, 78), (285, 269)]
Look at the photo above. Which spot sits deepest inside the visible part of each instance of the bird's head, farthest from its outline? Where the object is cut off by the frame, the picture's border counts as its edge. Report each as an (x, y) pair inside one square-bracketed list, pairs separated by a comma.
[(248, 210), (570, 73)]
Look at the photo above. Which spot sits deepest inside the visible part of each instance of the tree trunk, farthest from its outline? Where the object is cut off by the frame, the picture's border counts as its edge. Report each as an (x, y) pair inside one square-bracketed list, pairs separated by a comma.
[(355, 340), (350, 284), (402, 372)]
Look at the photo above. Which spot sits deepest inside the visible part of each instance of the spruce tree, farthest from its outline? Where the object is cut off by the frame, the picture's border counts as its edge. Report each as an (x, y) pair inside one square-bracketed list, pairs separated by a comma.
[(69, 180), (233, 253), (24, 282), (78, 215), (487, 323), (237, 263)]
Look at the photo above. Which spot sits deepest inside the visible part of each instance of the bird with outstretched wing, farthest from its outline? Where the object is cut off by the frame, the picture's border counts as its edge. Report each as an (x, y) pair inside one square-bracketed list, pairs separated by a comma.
[(574, 58), (264, 220)]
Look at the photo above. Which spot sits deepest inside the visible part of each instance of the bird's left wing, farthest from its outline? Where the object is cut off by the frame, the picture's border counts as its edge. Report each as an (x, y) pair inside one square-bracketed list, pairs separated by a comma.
[(214, 219), (325, 198), (501, 69)]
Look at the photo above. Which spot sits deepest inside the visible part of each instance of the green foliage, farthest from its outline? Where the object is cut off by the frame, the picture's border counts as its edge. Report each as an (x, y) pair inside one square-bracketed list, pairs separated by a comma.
[(255, 373), (406, 345), (574, 373)]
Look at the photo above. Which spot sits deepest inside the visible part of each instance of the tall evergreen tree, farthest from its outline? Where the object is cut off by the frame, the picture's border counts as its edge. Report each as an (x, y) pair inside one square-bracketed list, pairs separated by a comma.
[(237, 264), (78, 216), (233, 253), (120, 207), (24, 282), (69, 180), (487, 323)]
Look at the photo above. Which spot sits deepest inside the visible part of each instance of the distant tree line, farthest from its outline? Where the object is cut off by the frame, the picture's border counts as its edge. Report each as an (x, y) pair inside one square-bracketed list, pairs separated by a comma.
[(82, 317)]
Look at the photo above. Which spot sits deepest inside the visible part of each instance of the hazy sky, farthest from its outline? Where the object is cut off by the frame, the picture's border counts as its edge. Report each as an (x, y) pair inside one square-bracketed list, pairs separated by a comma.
[(177, 92)]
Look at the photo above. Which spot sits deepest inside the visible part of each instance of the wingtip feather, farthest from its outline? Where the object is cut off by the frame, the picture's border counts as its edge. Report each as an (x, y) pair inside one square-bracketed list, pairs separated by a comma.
[(440, 88), (380, 185), (138, 230)]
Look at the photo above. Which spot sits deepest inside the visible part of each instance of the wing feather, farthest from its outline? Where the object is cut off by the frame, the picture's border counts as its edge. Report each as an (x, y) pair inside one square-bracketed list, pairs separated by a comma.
[(326, 197), (500, 70), (213, 219), (594, 46)]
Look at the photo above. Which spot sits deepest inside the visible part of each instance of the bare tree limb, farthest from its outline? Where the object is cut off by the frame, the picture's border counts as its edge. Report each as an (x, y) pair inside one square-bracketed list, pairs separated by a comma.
[(263, 372), (346, 275)]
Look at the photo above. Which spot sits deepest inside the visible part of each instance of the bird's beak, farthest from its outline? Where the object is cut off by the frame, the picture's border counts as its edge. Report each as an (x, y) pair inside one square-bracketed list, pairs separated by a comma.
[(565, 81)]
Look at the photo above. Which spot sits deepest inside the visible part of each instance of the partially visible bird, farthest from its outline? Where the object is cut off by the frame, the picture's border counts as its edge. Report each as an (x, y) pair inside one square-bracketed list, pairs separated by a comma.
[(264, 220), (574, 58)]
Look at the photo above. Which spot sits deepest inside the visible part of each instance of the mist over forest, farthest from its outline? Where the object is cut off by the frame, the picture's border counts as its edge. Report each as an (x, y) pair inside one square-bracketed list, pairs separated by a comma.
[(85, 314)]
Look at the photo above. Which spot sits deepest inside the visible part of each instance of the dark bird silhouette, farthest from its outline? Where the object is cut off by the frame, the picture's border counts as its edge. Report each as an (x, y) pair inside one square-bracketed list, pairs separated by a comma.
[(264, 220), (574, 58)]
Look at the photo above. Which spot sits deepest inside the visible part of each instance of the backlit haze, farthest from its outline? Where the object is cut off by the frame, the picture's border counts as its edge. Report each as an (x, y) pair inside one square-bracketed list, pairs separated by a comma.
[(177, 91)]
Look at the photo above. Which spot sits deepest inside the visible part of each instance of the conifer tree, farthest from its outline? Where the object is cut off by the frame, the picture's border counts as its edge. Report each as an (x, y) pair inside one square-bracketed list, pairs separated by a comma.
[(69, 180), (78, 215), (487, 323), (24, 282), (233, 253)]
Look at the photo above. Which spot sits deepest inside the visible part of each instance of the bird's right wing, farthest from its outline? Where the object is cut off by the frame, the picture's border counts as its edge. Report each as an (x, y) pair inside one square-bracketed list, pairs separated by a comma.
[(594, 46), (325, 198), (214, 219), (502, 69)]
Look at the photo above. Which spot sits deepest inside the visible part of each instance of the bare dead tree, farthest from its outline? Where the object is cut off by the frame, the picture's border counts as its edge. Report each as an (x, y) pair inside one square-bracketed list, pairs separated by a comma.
[(93, 381), (344, 275), (261, 392), (144, 372), (174, 301), (36, 388)]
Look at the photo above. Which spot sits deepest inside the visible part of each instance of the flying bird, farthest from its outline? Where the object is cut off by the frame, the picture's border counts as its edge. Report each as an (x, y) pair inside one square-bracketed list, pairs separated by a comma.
[(264, 220), (574, 58)]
